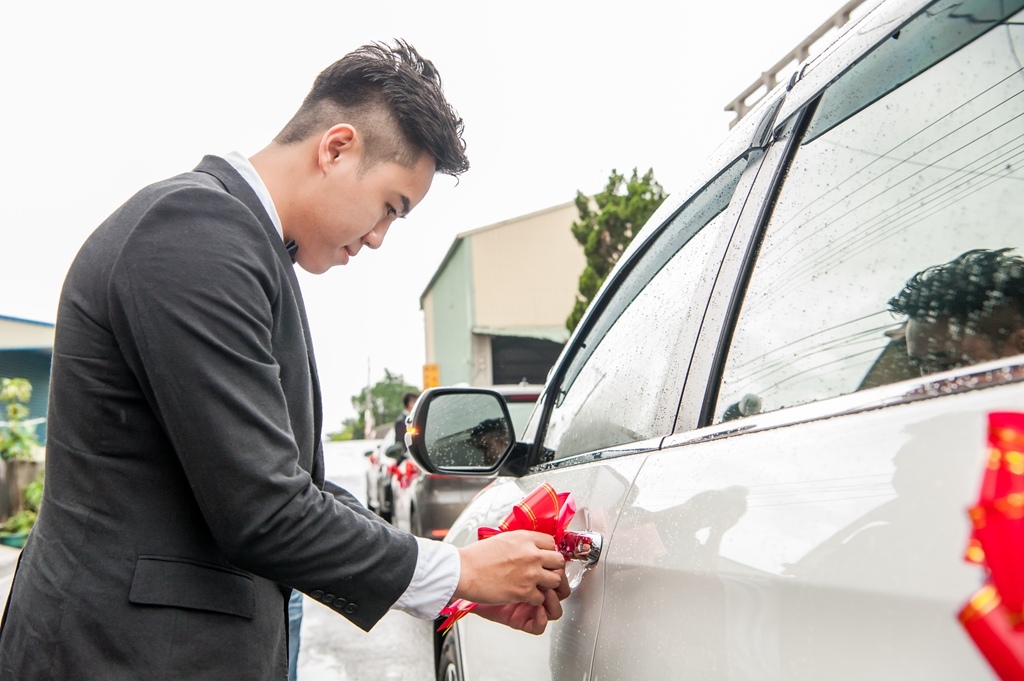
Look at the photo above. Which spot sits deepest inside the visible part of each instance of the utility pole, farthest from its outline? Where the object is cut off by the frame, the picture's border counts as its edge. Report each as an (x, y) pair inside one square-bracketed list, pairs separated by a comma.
[(368, 407)]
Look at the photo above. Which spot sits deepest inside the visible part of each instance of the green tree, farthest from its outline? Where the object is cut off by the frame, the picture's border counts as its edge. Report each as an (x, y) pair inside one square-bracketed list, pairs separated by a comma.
[(385, 403), (607, 224), (17, 440)]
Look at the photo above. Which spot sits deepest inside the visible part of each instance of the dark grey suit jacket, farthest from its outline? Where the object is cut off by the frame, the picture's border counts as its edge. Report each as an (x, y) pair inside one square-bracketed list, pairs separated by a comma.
[(184, 477)]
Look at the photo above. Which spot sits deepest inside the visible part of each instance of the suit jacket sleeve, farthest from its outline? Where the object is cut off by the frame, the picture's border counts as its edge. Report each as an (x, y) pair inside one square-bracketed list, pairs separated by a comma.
[(196, 325)]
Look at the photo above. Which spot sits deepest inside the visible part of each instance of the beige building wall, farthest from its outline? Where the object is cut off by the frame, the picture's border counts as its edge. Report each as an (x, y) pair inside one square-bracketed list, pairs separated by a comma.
[(427, 304), (526, 273)]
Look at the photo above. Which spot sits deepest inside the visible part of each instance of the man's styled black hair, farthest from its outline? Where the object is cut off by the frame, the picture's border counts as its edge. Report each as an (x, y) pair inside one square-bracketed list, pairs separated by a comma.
[(397, 98), (409, 398), (488, 426), (970, 286)]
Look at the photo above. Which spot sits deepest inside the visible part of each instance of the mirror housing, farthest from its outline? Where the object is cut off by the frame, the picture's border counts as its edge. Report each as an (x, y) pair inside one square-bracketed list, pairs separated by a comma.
[(460, 431), (395, 451)]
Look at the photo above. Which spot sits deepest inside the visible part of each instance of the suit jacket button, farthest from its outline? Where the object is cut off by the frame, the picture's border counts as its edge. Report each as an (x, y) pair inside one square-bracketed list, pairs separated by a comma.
[(340, 602), (351, 608), (328, 598), (318, 594)]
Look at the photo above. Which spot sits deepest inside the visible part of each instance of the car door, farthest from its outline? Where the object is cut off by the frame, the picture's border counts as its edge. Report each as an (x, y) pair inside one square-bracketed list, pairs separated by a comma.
[(807, 519), (612, 398)]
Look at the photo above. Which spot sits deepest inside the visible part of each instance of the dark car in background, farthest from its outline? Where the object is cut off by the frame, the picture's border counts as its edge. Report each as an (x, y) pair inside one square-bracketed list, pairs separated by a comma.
[(426, 504)]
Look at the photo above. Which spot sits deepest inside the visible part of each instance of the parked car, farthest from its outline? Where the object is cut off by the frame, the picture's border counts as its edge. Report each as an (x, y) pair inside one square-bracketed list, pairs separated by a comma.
[(373, 476), (382, 461), (427, 504), (774, 412)]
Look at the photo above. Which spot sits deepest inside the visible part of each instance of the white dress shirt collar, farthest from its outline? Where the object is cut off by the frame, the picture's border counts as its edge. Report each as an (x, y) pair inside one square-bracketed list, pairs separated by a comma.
[(249, 174)]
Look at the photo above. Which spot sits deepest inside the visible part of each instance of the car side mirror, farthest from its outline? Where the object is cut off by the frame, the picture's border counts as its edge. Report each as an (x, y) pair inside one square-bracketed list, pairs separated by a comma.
[(396, 452), (457, 430)]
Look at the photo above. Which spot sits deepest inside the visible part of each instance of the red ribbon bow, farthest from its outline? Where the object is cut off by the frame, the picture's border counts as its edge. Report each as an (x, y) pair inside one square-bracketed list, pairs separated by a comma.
[(994, 617), (542, 510), (405, 472)]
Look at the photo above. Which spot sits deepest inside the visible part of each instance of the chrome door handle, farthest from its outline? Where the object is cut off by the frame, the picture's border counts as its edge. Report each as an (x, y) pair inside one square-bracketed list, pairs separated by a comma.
[(582, 546)]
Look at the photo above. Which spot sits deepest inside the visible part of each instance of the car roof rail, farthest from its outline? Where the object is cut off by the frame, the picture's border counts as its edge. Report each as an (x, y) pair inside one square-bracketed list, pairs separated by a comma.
[(769, 79)]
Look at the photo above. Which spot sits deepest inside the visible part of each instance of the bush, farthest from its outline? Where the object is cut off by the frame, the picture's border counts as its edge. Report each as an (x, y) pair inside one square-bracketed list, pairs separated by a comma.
[(20, 522)]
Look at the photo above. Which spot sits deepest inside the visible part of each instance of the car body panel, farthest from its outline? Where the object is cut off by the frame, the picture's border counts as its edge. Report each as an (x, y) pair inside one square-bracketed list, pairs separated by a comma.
[(794, 541), (566, 648)]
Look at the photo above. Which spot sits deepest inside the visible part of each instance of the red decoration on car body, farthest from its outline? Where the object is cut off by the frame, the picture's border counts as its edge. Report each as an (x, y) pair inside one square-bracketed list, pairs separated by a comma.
[(542, 510), (994, 617)]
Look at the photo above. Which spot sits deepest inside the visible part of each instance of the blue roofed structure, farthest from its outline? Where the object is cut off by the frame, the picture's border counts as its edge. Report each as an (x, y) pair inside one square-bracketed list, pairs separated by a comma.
[(26, 350)]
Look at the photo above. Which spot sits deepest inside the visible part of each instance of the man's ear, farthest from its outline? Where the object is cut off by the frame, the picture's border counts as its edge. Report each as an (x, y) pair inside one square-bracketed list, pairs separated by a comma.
[(336, 145)]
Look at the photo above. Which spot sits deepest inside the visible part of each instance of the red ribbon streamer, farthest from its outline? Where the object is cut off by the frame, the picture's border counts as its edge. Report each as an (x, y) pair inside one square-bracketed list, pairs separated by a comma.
[(988, 624), (542, 510), (994, 617), (1004, 474)]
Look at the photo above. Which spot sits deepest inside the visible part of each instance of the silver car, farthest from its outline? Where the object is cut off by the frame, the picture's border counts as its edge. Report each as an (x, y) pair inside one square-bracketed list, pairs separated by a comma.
[(773, 415), (380, 466), (427, 504)]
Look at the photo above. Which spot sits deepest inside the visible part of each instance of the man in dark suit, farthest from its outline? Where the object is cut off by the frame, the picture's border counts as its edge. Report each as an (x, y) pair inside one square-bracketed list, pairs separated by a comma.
[(185, 479), (408, 401)]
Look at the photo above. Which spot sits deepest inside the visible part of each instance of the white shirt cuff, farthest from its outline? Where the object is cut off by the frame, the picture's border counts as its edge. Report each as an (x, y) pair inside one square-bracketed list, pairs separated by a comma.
[(438, 568)]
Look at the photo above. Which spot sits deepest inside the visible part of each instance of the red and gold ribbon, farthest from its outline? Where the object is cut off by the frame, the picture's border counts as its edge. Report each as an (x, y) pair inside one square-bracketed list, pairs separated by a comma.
[(542, 510), (994, 617), (989, 626), (1004, 473), (999, 530)]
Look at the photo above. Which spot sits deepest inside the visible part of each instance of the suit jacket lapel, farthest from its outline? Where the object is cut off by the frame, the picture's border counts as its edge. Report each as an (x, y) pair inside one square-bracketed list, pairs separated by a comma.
[(240, 189)]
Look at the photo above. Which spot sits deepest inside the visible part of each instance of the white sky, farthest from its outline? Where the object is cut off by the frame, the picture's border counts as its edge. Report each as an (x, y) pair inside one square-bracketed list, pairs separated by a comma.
[(101, 98)]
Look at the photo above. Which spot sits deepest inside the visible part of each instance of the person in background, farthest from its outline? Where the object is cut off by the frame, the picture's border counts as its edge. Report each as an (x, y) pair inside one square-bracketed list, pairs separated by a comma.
[(965, 311), (490, 436), (408, 402)]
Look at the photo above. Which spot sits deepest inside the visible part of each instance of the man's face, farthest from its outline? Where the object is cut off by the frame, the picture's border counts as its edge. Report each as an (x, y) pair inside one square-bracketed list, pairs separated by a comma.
[(942, 343), (492, 444), (353, 206)]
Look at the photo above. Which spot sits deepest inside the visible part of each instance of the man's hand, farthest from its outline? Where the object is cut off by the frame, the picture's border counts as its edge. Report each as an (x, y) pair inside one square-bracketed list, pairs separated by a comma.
[(532, 619), (513, 567)]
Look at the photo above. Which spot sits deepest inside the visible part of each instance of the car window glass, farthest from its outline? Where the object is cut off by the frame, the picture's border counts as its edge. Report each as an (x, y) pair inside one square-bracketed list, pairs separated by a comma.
[(520, 414), (623, 384), (937, 32), (884, 257)]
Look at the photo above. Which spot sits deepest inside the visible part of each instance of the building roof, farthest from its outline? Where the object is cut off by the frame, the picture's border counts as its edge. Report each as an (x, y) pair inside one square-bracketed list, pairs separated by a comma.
[(25, 334)]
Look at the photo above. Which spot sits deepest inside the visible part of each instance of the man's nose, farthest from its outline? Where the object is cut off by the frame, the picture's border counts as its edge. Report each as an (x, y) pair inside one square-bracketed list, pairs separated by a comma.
[(375, 237)]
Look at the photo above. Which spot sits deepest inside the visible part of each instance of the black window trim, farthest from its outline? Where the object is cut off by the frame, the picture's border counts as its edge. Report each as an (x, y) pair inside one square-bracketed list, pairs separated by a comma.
[(765, 210)]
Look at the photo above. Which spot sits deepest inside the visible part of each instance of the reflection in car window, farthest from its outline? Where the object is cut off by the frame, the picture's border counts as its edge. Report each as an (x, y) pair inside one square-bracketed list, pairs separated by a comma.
[(467, 431), (624, 383), (897, 192)]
